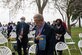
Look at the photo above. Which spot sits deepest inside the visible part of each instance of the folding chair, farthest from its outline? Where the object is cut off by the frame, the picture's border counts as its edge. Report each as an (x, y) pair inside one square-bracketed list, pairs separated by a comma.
[(3, 40), (13, 35), (12, 44), (32, 49), (80, 35), (60, 46), (80, 42), (31, 42), (5, 50), (31, 34), (80, 46), (71, 42), (1, 35)]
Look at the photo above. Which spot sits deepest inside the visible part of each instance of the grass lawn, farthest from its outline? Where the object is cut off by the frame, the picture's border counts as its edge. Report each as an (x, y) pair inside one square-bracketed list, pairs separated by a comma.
[(75, 32)]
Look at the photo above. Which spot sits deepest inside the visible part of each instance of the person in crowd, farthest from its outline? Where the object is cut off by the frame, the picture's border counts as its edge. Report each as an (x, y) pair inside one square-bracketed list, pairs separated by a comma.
[(14, 27), (65, 26), (48, 23), (18, 22), (60, 31), (9, 29), (0, 24), (44, 36), (22, 30), (54, 23), (1, 29)]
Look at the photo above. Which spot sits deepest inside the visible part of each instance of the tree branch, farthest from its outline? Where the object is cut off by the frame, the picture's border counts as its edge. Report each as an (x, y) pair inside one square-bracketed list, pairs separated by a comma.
[(38, 2), (44, 3)]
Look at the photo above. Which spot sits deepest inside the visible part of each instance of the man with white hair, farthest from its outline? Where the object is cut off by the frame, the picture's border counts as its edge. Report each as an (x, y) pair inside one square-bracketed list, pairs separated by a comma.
[(44, 36)]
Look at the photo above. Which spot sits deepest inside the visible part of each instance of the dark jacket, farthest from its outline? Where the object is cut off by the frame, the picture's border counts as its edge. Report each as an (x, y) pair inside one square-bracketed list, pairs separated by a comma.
[(61, 31), (48, 31), (25, 30), (9, 28)]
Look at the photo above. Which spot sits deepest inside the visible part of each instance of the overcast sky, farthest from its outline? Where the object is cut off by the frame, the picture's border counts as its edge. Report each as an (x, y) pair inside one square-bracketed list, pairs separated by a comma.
[(29, 12)]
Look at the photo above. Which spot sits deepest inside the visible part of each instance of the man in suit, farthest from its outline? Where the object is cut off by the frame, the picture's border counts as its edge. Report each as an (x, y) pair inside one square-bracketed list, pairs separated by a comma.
[(22, 30), (44, 37), (9, 29)]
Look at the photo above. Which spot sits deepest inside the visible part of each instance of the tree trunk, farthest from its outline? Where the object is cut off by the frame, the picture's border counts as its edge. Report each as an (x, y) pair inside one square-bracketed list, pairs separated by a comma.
[(41, 8), (79, 22), (69, 26), (40, 11)]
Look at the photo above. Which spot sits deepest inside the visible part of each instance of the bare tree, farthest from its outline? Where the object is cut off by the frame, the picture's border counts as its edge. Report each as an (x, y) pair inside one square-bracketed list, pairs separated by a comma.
[(61, 6), (13, 6), (73, 8), (70, 7), (41, 5)]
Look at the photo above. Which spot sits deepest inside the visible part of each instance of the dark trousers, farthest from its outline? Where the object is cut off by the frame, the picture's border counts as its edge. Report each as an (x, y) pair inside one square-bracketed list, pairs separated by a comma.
[(8, 34), (47, 51), (40, 52), (20, 45)]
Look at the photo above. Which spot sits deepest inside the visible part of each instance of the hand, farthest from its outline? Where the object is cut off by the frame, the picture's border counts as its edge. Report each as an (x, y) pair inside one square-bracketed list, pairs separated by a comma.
[(21, 33), (20, 37), (57, 34), (38, 37)]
